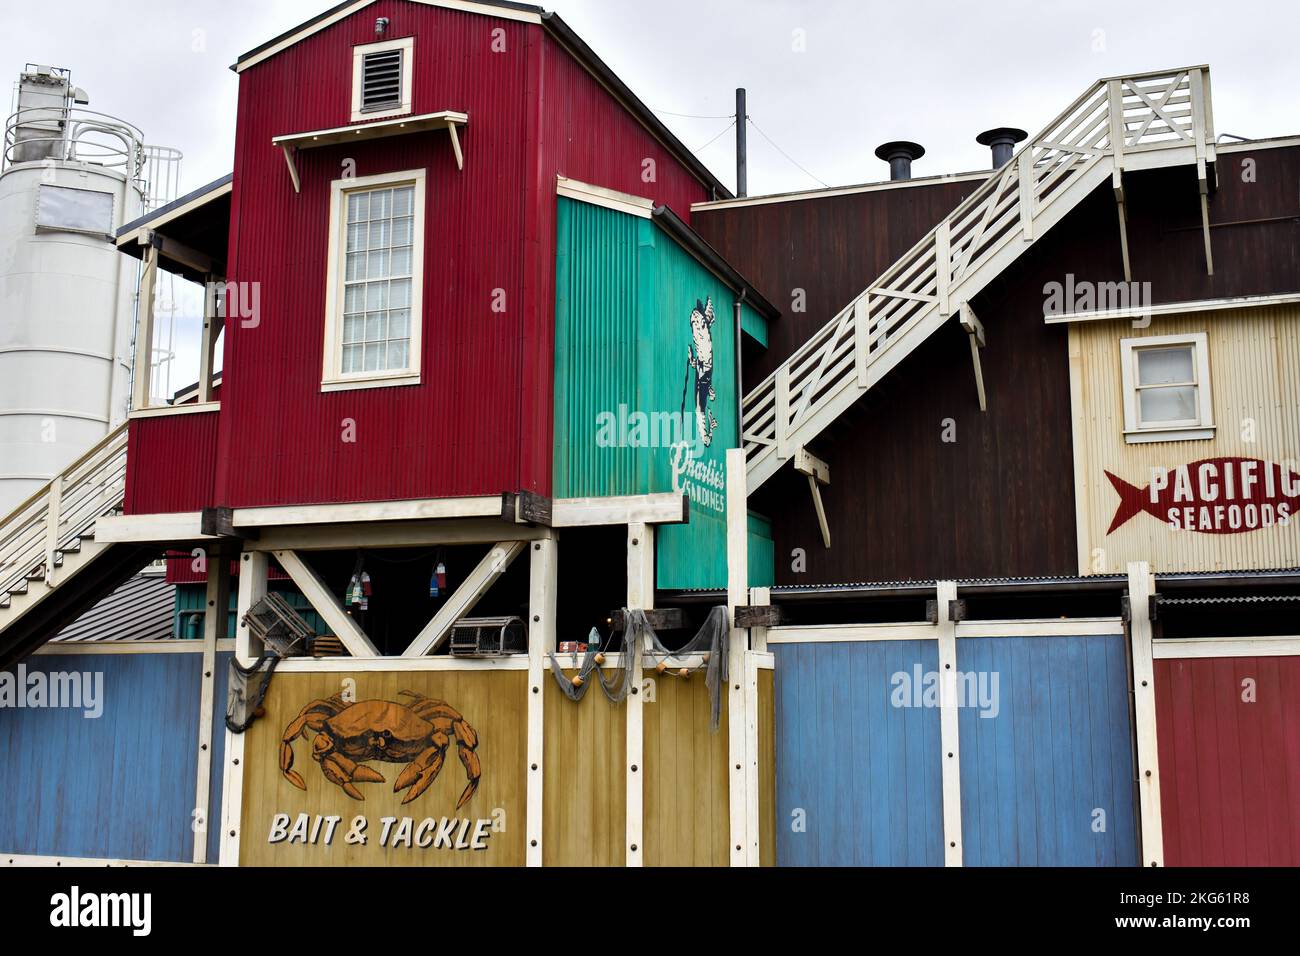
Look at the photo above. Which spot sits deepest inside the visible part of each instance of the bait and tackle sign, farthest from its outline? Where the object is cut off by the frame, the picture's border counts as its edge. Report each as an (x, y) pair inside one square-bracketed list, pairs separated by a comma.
[(388, 768)]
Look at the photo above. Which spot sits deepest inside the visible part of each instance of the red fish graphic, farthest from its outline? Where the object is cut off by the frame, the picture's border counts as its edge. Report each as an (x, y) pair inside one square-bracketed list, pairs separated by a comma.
[(1213, 496)]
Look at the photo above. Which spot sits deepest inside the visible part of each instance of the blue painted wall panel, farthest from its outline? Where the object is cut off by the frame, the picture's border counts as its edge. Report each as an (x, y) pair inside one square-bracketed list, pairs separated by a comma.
[(117, 786), (1057, 750), (865, 773)]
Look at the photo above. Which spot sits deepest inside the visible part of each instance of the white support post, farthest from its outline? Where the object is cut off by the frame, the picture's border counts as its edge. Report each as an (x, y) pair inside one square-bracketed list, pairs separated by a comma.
[(542, 575), (207, 347), (252, 588), (216, 608), (1141, 585), (782, 411), (324, 602), (946, 592), (739, 753), (759, 597), (1027, 203), (141, 391), (640, 594), (494, 564), (942, 265), (53, 507)]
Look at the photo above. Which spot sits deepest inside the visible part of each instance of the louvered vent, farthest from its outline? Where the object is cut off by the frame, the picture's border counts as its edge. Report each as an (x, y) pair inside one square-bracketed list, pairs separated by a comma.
[(381, 80)]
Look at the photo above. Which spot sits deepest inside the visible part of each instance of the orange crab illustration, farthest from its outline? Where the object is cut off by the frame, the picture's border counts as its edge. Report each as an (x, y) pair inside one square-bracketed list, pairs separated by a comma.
[(347, 734)]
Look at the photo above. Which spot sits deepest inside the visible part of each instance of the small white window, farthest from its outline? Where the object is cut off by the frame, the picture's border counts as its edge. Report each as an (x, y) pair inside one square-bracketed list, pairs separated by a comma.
[(376, 257), (381, 79), (1166, 388)]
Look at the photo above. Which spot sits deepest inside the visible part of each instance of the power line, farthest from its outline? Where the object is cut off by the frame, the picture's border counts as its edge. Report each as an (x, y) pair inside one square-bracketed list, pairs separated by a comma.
[(693, 115), (716, 138), (784, 153)]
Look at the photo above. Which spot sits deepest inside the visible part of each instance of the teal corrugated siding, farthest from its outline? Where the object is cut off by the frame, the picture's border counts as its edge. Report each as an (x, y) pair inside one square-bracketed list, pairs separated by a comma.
[(624, 388), (190, 597), (762, 552)]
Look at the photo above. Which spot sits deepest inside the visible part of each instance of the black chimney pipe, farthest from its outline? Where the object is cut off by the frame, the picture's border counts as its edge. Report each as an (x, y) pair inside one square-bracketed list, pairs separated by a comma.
[(899, 154), (1002, 141), (742, 157)]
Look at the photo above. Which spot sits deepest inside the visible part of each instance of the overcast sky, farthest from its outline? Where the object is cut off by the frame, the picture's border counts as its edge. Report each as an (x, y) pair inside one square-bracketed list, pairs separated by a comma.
[(828, 80), (934, 72)]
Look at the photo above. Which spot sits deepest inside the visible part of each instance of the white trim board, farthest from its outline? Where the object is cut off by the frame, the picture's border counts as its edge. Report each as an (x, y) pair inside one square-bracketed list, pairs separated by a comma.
[(334, 665), (1051, 627), (467, 6), (831, 633), (1203, 647), (600, 196), (971, 177), (133, 647), (1164, 309), (164, 411), (164, 528), (76, 862)]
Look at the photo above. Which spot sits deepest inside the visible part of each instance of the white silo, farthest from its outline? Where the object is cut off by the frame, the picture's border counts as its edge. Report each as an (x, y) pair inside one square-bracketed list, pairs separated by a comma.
[(69, 177)]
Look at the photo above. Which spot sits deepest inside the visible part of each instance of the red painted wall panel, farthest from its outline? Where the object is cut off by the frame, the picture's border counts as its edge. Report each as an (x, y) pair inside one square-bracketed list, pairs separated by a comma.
[(458, 432), (1229, 769), (171, 463), (480, 421)]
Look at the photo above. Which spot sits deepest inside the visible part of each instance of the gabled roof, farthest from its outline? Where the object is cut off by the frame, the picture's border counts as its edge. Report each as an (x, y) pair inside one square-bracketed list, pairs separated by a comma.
[(524, 12)]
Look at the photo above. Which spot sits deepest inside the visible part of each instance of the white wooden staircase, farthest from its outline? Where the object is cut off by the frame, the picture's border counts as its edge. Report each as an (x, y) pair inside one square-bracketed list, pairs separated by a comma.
[(1143, 121), (51, 566)]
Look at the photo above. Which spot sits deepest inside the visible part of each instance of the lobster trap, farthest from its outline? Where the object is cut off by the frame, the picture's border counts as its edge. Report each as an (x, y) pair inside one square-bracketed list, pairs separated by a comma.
[(274, 622), (488, 637)]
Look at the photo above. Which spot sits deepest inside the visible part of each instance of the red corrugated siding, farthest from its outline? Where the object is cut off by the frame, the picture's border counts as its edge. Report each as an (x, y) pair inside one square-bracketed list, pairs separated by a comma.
[(171, 463), (583, 133), (481, 421), (458, 432), (1229, 769)]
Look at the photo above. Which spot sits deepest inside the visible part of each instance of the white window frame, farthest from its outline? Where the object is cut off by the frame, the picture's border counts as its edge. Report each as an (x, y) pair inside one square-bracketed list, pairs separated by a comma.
[(333, 378), (1203, 427), (407, 46)]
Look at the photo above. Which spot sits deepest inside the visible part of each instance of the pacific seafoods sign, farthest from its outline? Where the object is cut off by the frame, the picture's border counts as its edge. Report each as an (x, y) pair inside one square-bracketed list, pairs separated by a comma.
[(1212, 496), (380, 774)]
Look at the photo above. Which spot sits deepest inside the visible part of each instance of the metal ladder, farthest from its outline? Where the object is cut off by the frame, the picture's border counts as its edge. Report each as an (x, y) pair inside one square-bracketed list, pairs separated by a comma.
[(1142, 121)]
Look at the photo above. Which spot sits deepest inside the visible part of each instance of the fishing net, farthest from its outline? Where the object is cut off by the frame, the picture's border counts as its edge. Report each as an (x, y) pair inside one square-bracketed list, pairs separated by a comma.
[(248, 686), (709, 645)]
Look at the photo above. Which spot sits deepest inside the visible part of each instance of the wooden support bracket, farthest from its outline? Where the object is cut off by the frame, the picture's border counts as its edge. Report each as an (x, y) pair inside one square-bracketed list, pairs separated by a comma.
[(219, 522), (769, 615), (661, 619), (975, 329), (819, 473), (289, 152), (526, 507), (1117, 184), (463, 599)]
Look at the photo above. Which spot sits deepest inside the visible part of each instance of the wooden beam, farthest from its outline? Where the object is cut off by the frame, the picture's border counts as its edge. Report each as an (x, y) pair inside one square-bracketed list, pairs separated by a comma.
[(252, 588), (391, 534), (140, 383), (455, 144), (819, 473), (760, 600), (640, 594), (208, 342), (478, 506), (764, 615), (219, 523), (462, 601), (1141, 586), (661, 619), (293, 168), (542, 583), (975, 330), (323, 600), (526, 507), (150, 528), (660, 508)]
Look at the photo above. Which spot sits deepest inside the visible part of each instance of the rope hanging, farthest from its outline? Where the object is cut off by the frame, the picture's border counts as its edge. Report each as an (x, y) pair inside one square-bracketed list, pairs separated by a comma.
[(709, 643)]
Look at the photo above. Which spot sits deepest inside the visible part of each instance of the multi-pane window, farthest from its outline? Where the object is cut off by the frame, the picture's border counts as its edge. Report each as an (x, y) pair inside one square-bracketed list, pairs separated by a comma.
[(1166, 388), (377, 280), (376, 254)]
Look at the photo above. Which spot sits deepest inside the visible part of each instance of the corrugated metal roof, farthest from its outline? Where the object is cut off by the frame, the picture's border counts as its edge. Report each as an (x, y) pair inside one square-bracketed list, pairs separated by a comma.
[(139, 610)]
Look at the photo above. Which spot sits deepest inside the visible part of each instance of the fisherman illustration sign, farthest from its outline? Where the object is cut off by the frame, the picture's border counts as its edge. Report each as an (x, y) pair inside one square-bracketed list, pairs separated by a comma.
[(699, 359), (1213, 496)]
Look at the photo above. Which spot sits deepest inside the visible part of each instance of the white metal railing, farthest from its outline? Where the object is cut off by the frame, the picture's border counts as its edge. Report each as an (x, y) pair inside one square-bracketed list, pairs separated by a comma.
[(1139, 121), (33, 534)]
